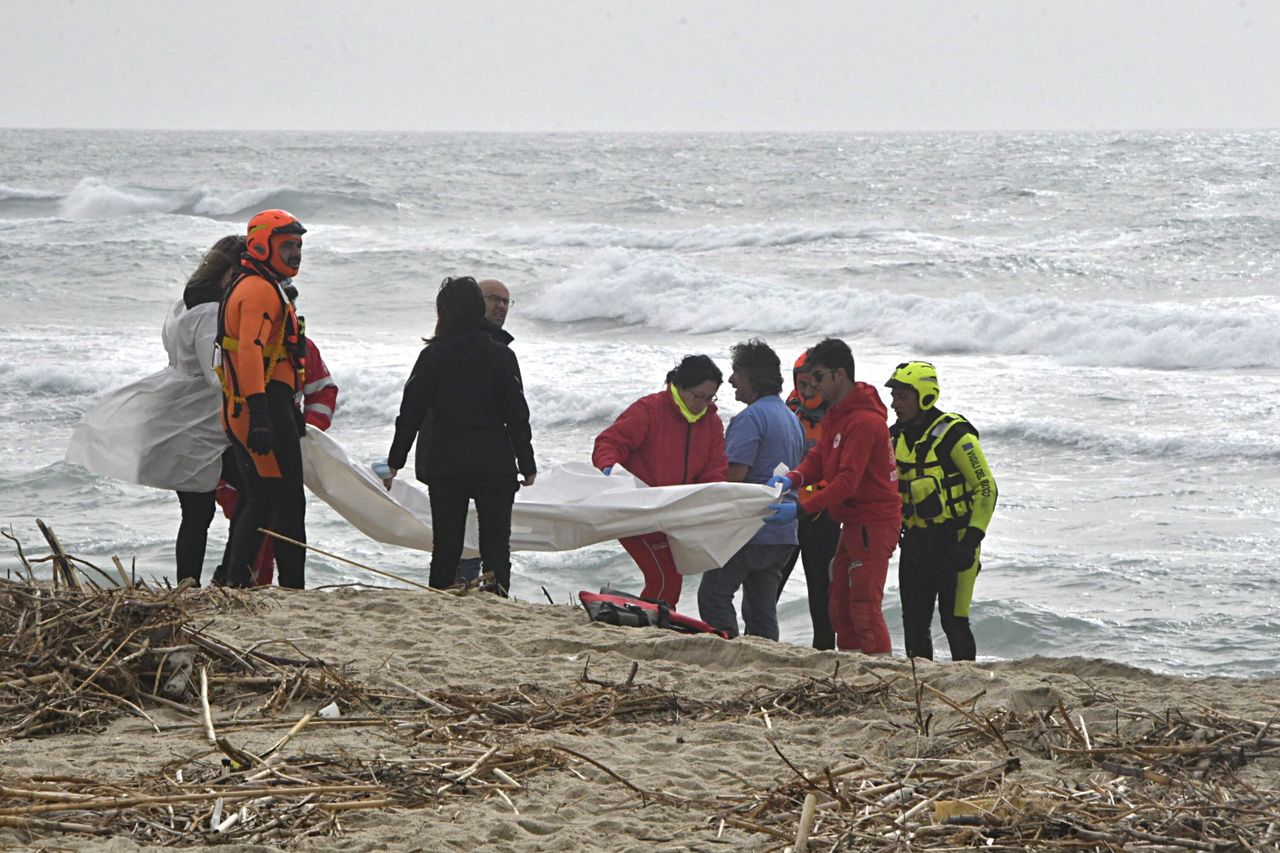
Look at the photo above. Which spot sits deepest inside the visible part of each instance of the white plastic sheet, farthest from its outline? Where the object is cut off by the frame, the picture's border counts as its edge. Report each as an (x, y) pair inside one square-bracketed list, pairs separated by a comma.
[(569, 506), (165, 430)]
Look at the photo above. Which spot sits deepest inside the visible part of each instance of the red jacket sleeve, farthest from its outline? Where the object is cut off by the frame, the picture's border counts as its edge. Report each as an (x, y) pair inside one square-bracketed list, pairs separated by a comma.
[(619, 439), (716, 467), (320, 396), (852, 458), (810, 468)]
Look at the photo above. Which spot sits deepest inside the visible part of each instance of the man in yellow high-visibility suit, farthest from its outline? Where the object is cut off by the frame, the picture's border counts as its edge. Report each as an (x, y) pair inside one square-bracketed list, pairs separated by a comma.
[(948, 498)]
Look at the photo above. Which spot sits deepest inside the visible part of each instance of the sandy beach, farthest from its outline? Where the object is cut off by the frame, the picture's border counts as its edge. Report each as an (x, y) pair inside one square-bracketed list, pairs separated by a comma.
[(643, 739)]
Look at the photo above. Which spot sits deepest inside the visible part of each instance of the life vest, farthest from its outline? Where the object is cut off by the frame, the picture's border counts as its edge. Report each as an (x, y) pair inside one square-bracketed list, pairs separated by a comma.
[(290, 342), (933, 492), (618, 608)]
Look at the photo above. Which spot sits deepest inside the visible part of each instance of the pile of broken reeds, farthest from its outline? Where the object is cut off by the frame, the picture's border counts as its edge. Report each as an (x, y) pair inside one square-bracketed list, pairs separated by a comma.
[(1171, 780), (272, 800), (1087, 772), (76, 657)]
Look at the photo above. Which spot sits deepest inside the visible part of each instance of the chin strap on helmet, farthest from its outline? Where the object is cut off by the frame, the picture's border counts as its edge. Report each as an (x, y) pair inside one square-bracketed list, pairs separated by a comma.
[(920, 376)]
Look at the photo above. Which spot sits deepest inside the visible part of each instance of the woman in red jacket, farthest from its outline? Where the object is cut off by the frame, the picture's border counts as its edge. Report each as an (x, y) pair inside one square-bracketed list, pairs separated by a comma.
[(669, 438)]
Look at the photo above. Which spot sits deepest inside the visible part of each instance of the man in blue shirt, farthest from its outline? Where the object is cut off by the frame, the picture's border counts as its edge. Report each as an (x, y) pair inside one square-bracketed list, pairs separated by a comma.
[(761, 437)]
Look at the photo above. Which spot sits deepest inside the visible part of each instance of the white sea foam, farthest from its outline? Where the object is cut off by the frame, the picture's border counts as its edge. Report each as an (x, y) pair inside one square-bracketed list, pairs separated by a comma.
[(208, 202), (20, 194), (1153, 440), (93, 198), (707, 237), (676, 294)]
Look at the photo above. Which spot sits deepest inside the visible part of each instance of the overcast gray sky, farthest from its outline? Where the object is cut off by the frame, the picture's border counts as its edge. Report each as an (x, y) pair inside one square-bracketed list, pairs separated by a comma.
[(640, 65)]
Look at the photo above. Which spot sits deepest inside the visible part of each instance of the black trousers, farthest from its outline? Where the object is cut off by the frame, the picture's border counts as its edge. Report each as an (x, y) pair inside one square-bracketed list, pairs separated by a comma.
[(193, 533), (280, 500), (198, 510), (818, 537), (450, 499), (924, 577)]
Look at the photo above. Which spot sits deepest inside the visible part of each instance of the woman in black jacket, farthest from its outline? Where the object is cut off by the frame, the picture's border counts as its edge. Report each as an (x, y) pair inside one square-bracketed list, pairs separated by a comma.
[(465, 394)]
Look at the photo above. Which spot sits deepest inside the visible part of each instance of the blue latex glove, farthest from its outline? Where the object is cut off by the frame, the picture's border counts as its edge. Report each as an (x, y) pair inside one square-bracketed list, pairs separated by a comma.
[(607, 470), (784, 512), (781, 480)]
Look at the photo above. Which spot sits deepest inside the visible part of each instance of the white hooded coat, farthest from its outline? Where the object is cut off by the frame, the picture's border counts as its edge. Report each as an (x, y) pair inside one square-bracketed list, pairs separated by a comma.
[(164, 430)]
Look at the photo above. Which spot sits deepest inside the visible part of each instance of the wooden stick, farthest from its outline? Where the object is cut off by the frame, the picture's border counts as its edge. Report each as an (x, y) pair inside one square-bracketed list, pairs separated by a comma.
[(396, 577), (53, 825), (204, 706), (60, 562), (108, 803), (124, 576), (361, 804), (807, 817), (422, 697), (8, 534), (297, 727)]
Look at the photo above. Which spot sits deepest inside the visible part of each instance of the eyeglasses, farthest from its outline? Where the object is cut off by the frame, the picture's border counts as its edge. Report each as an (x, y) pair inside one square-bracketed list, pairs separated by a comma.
[(706, 398), (818, 375), (500, 300)]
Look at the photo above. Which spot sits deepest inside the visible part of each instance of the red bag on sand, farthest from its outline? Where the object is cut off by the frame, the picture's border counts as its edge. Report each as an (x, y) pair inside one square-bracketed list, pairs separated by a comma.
[(618, 608)]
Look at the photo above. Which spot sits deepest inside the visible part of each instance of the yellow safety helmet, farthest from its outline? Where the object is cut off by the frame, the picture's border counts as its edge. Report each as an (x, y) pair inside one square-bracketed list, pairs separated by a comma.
[(919, 375)]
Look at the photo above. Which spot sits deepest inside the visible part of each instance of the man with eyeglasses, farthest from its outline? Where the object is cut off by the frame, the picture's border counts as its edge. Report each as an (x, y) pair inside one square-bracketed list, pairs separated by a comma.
[(856, 459), (759, 438), (497, 299)]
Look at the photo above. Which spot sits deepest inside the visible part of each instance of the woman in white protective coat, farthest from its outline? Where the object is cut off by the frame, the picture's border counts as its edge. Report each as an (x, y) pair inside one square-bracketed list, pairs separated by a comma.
[(165, 430)]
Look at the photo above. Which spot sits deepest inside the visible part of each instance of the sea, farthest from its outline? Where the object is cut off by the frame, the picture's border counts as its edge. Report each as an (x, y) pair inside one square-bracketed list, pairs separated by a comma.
[(1102, 306)]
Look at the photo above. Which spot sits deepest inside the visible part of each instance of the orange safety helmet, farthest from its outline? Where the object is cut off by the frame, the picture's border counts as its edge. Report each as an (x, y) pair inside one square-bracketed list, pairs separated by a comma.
[(266, 230), (802, 367)]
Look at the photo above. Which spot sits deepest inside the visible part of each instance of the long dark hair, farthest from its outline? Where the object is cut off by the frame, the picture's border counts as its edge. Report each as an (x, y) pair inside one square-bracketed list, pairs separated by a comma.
[(459, 307), (220, 264)]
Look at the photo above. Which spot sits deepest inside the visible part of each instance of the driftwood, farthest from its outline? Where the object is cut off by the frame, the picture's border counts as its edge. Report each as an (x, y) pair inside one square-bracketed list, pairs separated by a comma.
[(76, 655)]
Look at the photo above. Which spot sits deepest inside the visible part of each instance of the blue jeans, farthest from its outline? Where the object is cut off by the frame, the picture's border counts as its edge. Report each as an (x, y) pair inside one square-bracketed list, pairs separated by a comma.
[(757, 569)]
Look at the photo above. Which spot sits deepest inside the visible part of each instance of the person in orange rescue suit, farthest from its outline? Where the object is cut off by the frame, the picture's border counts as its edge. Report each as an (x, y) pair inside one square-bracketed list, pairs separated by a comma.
[(855, 458), (818, 532), (262, 366), (948, 498), (319, 402), (668, 438)]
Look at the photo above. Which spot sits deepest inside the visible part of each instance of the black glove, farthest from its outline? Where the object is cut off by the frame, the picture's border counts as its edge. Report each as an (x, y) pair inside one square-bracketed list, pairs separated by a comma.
[(300, 421), (961, 555), (260, 435)]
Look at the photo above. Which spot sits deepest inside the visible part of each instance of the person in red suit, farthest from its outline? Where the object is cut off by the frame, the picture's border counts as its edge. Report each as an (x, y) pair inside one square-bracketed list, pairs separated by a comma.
[(855, 458), (668, 438)]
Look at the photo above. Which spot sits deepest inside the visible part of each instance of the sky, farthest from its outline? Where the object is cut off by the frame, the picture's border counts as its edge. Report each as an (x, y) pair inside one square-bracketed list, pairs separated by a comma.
[(640, 65)]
